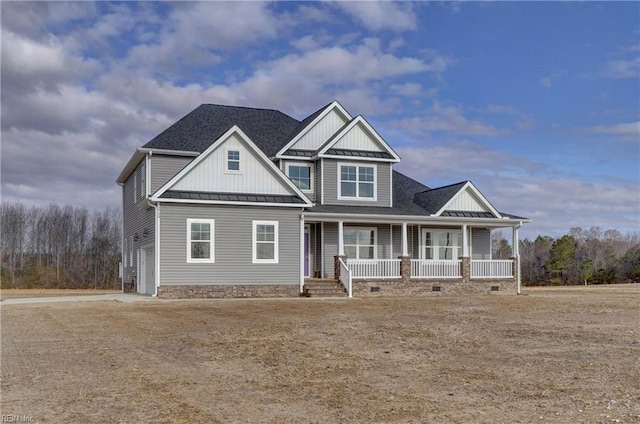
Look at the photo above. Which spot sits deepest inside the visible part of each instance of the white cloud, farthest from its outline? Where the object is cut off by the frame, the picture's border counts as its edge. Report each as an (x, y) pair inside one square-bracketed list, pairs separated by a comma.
[(380, 15), (512, 183), (625, 68), (449, 119), (627, 129)]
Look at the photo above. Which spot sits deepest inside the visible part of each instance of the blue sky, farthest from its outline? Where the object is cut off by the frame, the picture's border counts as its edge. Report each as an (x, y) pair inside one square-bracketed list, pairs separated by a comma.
[(537, 103)]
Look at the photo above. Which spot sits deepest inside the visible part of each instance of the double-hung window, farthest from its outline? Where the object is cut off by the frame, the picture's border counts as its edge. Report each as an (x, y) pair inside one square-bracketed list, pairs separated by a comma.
[(357, 181), (301, 174), (200, 240), (360, 243), (233, 160), (441, 244), (265, 242)]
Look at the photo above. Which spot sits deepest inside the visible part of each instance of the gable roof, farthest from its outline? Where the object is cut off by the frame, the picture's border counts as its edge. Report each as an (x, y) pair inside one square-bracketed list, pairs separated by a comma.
[(193, 165), (309, 122), (197, 130), (349, 126)]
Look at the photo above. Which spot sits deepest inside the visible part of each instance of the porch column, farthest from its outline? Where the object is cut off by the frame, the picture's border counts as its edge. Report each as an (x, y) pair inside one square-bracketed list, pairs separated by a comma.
[(465, 241), (405, 244), (340, 239), (405, 260), (465, 262), (515, 249)]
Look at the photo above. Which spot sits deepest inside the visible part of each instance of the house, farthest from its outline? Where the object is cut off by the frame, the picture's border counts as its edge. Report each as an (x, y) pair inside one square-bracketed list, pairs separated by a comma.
[(238, 202)]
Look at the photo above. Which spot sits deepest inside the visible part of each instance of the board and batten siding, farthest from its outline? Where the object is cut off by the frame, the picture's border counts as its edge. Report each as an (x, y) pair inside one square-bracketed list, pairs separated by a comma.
[(163, 168), (383, 184), (467, 201), (233, 247), (321, 132), (480, 243), (211, 175), (358, 138), (135, 220)]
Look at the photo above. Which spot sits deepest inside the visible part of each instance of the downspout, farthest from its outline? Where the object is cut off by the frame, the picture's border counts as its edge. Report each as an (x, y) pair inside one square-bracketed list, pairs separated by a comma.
[(122, 252)]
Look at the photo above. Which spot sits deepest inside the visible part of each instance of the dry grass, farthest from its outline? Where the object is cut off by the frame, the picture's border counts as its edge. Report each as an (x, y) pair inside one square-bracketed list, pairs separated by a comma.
[(552, 355), (22, 293)]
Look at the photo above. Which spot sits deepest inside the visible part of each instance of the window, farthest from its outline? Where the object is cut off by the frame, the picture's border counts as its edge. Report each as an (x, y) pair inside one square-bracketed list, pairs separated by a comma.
[(265, 242), (357, 181), (360, 243), (200, 237), (301, 174), (441, 244), (233, 160)]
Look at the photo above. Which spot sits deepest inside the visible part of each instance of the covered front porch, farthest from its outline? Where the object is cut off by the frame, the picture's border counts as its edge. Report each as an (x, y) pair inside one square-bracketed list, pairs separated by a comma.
[(439, 251)]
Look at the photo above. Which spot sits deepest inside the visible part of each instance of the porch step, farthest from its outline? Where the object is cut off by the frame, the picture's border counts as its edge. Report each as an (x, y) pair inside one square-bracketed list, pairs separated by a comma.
[(323, 288)]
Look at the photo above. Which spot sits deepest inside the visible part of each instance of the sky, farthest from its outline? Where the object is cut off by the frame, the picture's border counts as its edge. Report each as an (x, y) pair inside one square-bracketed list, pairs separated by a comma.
[(537, 103)]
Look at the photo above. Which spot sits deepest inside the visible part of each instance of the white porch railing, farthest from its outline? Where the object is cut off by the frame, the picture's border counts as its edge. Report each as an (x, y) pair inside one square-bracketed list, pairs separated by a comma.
[(426, 268), (345, 278), (492, 268), (374, 268)]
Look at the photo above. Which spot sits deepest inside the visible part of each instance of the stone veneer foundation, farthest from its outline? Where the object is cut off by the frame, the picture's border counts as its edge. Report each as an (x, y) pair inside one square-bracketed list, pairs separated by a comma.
[(228, 291)]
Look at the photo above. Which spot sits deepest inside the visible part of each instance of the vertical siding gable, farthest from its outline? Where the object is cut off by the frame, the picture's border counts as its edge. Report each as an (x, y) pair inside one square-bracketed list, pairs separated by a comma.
[(210, 174), (321, 131), (359, 138), (468, 201)]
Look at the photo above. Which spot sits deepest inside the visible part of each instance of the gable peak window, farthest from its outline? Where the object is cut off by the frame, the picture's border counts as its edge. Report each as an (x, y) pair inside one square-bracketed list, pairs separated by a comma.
[(357, 181), (233, 160)]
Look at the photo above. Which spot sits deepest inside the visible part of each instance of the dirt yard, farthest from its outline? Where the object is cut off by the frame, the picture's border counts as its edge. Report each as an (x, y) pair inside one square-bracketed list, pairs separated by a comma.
[(550, 355)]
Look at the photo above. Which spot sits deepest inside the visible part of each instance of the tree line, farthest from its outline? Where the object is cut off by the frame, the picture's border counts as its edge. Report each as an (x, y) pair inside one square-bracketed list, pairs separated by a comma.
[(59, 246), (593, 256)]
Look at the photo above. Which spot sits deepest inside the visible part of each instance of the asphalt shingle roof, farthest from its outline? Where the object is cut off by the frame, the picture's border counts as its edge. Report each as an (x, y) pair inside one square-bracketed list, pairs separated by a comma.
[(196, 131), (433, 200)]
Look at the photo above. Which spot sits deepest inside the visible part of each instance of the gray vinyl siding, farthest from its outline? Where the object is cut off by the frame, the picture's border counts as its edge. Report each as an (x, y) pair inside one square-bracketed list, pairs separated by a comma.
[(396, 240), (233, 231), (135, 220), (383, 184), (480, 243), (318, 181), (330, 245), (163, 168), (329, 248)]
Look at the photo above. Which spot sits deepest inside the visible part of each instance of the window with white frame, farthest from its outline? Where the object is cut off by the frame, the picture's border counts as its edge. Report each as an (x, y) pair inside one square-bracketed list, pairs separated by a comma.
[(265, 242), (301, 174), (359, 243), (441, 244), (357, 181), (200, 240), (233, 160)]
